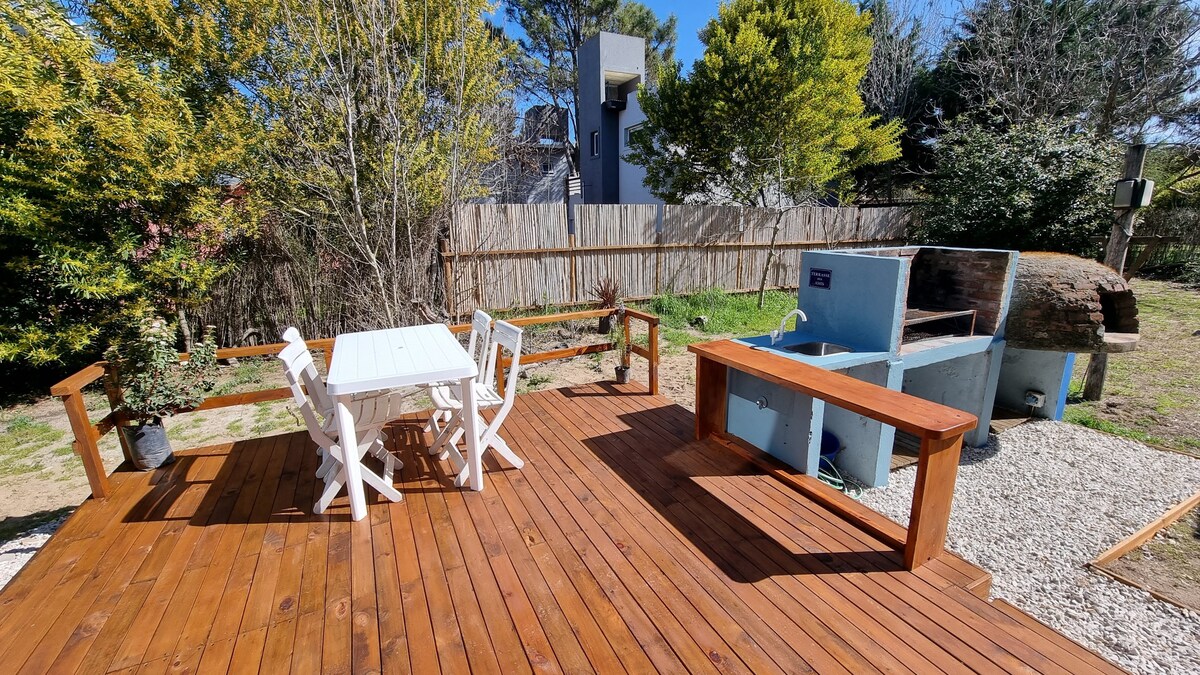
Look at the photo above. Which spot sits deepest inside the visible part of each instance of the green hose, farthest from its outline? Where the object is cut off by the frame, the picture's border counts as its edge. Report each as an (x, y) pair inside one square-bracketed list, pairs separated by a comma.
[(829, 475)]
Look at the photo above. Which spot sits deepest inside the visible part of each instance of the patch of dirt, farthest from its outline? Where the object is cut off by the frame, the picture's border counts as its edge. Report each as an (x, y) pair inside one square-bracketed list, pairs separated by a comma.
[(1168, 564)]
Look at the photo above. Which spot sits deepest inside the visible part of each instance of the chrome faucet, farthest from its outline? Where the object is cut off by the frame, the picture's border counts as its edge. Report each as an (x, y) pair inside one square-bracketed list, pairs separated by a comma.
[(777, 335)]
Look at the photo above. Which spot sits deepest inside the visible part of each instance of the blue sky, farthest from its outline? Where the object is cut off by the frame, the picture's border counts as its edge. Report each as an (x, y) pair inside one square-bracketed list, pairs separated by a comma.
[(694, 14)]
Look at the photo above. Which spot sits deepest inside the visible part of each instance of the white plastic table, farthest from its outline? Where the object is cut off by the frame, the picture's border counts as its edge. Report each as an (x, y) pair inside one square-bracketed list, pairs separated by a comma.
[(398, 357)]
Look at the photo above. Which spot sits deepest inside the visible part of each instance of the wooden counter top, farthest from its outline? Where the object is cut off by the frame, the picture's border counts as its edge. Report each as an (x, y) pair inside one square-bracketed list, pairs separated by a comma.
[(915, 415)]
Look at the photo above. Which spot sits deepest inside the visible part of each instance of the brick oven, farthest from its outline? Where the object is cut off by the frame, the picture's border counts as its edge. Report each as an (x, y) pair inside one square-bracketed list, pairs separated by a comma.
[(1066, 304)]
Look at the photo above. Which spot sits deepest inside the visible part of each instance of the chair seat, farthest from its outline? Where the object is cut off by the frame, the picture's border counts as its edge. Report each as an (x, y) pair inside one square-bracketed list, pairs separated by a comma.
[(447, 398)]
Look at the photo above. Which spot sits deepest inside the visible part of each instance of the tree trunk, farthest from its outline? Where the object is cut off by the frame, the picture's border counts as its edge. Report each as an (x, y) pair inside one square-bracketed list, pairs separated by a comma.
[(1114, 257), (184, 328), (762, 283)]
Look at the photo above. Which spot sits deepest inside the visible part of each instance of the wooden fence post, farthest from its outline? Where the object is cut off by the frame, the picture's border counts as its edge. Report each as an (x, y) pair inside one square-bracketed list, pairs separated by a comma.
[(85, 443), (937, 469)]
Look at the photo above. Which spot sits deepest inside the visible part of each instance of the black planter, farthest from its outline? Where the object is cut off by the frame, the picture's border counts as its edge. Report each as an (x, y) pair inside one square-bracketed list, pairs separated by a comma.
[(605, 326), (622, 374), (148, 444)]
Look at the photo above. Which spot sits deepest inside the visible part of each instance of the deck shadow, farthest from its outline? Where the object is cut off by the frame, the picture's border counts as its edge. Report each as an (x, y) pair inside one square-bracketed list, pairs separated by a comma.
[(694, 486)]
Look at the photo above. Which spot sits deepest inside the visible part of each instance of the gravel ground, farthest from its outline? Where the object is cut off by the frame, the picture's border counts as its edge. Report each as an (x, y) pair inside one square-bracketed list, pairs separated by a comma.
[(14, 553), (1043, 499)]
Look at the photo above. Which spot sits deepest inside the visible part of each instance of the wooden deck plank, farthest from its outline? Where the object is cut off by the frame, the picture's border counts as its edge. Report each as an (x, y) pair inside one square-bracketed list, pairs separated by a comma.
[(622, 545), (676, 567), (739, 562)]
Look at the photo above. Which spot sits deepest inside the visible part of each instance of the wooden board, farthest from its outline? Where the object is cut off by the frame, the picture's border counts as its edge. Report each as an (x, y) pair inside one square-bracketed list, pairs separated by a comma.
[(917, 416), (623, 545)]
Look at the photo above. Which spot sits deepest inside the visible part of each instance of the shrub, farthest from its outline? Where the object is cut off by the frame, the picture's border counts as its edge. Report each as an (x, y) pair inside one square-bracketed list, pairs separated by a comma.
[(155, 382), (1030, 187)]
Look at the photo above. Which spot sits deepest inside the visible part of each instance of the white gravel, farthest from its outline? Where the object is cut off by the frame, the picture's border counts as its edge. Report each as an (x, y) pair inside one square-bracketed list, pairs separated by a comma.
[(1044, 498), (14, 553)]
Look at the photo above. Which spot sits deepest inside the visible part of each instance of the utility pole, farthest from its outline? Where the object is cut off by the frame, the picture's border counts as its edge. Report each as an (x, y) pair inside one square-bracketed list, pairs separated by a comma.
[(1114, 257)]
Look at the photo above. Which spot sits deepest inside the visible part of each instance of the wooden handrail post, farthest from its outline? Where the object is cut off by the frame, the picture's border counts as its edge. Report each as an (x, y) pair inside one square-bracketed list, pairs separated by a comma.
[(625, 353), (112, 390), (937, 469), (85, 443), (653, 358), (328, 357)]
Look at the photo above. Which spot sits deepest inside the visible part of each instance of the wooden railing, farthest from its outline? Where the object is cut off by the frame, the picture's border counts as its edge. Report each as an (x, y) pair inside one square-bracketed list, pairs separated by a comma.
[(88, 434), (939, 427)]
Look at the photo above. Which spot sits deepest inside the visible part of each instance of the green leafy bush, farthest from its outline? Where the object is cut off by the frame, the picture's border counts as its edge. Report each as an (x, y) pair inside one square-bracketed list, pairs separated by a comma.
[(155, 382), (1030, 187)]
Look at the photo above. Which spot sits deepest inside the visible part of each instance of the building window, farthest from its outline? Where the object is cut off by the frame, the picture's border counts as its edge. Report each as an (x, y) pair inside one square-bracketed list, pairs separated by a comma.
[(595, 144), (631, 131), (545, 168)]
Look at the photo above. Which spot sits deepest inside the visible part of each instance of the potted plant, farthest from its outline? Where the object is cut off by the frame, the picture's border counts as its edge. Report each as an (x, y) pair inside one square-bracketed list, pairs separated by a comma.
[(618, 338), (156, 384), (608, 293)]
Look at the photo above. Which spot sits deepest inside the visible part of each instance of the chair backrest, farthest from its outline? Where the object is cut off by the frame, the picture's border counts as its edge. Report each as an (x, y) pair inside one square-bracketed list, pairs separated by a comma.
[(321, 399), (507, 336), (480, 344), (301, 374)]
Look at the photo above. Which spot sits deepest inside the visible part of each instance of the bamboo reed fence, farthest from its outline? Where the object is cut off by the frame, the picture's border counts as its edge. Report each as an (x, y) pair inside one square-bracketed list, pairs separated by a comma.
[(503, 256)]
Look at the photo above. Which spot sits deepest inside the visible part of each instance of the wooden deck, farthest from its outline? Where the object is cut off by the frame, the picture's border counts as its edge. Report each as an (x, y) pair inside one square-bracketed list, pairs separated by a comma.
[(623, 545)]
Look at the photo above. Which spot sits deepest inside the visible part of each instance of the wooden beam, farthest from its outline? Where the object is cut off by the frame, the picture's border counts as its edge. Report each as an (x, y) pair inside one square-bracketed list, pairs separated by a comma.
[(712, 384), (916, 416), (628, 339), (244, 398), (618, 248), (937, 469), (567, 316), (642, 316), (85, 443), (1146, 533), (78, 380), (653, 357), (539, 357)]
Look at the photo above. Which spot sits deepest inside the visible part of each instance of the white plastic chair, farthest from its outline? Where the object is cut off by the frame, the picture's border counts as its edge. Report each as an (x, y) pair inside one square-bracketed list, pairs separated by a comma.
[(506, 336), (480, 346), (370, 414)]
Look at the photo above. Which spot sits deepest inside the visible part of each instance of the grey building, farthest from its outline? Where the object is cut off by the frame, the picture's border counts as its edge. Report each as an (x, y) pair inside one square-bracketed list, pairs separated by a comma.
[(611, 67)]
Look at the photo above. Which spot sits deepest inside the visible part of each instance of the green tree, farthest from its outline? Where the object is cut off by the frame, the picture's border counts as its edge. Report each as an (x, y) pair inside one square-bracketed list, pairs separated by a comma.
[(1036, 186), (771, 115), (548, 62), (89, 148), (210, 50)]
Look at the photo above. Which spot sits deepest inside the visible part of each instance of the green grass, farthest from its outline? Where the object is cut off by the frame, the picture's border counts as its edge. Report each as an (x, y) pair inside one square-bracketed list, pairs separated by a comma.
[(248, 375), (23, 438), (727, 313), (1086, 417)]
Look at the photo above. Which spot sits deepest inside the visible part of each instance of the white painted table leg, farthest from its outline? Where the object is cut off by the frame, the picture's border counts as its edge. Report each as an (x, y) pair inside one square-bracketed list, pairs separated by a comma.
[(470, 414), (348, 441)]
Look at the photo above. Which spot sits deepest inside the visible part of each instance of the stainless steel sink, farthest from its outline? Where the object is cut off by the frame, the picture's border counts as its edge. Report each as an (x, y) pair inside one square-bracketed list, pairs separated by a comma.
[(816, 348)]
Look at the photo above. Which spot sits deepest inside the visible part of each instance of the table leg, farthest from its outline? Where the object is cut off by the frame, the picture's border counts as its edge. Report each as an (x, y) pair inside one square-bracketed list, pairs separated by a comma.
[(348, 441), (470, 414)]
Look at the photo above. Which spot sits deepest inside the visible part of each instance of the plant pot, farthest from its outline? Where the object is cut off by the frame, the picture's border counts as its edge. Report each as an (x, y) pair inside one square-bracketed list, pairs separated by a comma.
[(605, 325), (622, 374), (148, 444)]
